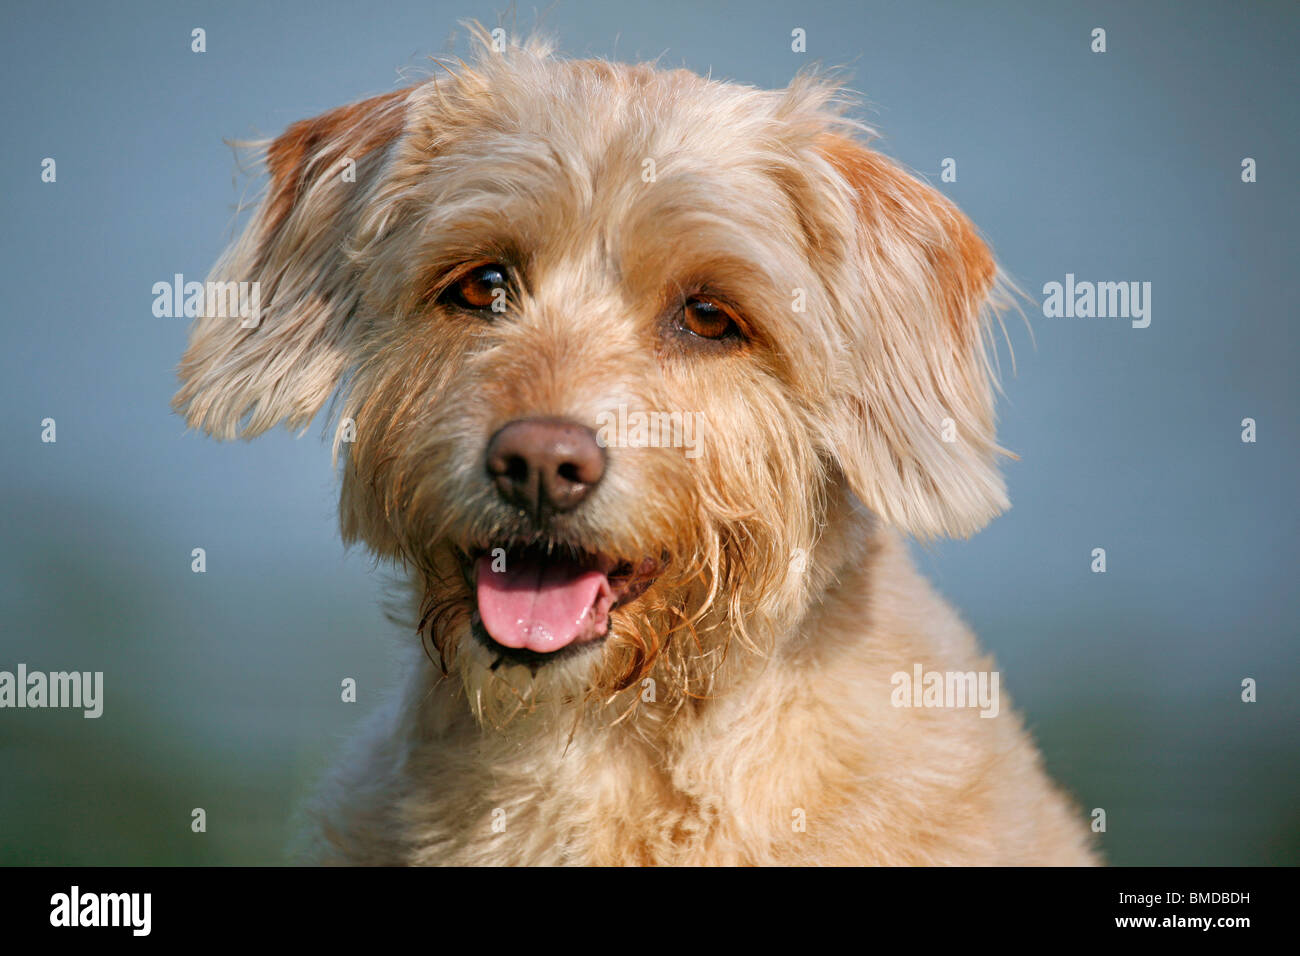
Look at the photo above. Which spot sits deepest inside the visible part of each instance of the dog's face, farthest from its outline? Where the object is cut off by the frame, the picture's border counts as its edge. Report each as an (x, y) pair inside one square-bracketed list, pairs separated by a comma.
[(614, 342)]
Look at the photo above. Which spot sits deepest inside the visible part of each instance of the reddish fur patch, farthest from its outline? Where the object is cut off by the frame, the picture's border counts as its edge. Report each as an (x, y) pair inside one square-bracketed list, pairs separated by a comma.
[(960, 263), (349, 131)]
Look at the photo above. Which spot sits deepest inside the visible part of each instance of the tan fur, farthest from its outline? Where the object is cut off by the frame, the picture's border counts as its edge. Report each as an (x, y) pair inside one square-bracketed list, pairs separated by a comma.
[(745, 689)]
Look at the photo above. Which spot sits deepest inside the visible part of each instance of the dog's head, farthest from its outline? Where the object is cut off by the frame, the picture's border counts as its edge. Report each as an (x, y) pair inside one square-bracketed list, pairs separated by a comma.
[(613, 341)]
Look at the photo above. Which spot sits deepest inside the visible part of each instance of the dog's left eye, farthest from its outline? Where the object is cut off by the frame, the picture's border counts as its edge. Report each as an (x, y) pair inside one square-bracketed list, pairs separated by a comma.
[(483, 287), (707, 319)]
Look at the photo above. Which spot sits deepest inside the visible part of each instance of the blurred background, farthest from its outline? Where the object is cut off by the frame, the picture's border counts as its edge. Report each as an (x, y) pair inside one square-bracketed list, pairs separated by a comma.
[(222, 689)]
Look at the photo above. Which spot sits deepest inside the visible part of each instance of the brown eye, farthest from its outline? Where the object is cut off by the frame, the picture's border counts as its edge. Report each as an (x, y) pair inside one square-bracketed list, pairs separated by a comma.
[(483, 287), (707, 319)]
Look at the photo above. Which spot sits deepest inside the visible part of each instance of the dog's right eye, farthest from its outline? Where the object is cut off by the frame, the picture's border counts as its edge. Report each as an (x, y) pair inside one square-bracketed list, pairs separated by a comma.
[(483, 287)]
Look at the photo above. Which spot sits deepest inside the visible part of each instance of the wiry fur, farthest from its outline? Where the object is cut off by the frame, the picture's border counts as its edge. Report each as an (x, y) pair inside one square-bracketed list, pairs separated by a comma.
[(753, 678)]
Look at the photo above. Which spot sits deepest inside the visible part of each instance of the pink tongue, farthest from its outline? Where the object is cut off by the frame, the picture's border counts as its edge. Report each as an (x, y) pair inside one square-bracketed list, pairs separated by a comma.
[(542, 605)]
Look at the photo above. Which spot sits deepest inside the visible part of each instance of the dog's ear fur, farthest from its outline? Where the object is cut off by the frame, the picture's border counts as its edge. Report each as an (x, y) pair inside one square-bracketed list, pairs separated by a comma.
[(238, 378), (913, 423)]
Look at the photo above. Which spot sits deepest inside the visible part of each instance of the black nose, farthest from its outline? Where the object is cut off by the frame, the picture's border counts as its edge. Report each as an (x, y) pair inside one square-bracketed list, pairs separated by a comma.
[(545, 464)]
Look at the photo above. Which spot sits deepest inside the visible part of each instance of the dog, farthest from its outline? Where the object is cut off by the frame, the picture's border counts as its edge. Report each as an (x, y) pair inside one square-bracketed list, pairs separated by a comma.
[(643, 380)]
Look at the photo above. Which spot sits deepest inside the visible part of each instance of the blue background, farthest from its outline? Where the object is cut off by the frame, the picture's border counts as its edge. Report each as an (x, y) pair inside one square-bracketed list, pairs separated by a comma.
[(222, 689)]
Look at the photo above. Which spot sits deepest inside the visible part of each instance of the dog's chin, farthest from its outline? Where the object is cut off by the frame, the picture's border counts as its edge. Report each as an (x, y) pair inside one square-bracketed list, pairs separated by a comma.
[(539, 602)]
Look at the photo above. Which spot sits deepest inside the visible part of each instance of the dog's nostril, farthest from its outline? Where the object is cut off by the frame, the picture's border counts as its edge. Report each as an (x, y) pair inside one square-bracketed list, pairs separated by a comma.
[(517, 468), (544, 464)]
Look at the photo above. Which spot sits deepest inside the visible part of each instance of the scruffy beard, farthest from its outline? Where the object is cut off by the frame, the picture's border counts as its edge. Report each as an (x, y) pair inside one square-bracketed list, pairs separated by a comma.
[(731, 533), (667, 647)]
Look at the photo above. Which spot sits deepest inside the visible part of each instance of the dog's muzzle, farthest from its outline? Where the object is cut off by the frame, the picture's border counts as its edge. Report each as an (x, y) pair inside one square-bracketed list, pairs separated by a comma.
[(537, 596)]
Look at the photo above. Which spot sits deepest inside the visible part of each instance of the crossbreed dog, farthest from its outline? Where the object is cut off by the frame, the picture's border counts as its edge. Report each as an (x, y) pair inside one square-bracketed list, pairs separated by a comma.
[(644, 379)]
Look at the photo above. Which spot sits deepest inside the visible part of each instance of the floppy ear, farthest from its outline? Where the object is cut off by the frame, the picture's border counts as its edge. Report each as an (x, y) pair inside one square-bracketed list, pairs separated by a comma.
[(913, 423), (241, 375)]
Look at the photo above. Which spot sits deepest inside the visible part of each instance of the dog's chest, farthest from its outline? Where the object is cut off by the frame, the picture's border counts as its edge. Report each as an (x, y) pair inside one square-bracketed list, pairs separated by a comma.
[(596, 805)]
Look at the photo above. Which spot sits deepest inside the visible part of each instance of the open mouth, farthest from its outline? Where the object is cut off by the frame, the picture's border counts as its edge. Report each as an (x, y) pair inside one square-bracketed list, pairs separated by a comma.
[(536, 600)]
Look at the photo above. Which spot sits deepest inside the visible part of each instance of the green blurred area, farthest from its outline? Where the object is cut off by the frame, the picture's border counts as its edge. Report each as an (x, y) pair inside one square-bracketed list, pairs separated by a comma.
[(217, 695), (242, 728)]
